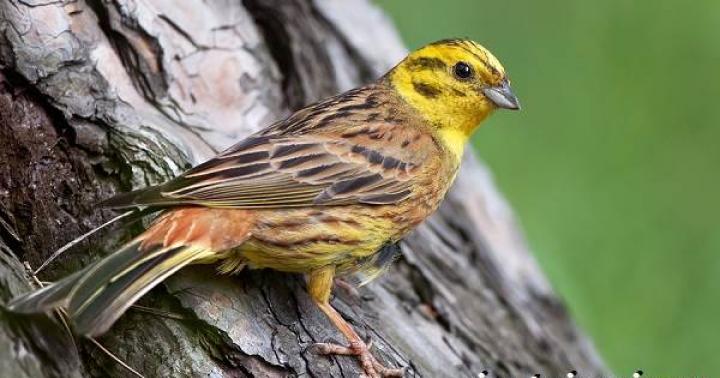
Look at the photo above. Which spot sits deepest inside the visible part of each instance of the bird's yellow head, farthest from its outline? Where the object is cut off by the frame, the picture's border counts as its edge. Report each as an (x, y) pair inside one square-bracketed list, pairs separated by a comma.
[(454, 84)]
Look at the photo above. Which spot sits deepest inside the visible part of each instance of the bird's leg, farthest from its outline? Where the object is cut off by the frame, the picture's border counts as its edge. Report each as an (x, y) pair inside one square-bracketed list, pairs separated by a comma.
[(319, 286)]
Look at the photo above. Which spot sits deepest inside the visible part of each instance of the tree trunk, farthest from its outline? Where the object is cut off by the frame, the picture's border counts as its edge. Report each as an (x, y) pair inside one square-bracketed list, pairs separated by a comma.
[(98, 97)]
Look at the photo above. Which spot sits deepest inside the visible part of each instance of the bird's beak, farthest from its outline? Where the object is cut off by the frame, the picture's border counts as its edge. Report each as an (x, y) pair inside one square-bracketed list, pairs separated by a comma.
[(502, 96)]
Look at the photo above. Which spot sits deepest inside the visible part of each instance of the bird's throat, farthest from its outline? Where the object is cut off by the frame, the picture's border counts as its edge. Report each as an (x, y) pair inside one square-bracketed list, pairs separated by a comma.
[(454, 140)]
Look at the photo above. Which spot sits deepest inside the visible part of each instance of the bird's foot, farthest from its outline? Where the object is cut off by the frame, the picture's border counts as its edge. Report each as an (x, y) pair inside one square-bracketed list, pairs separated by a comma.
[(347, 287), (371, 366)]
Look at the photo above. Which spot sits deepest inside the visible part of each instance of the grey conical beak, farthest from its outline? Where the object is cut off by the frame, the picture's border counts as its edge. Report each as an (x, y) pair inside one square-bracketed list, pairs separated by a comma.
[(502, 96)]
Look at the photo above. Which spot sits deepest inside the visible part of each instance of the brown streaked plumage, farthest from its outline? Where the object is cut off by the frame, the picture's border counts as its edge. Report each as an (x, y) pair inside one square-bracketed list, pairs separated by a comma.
[(328, 191), (337, 152)]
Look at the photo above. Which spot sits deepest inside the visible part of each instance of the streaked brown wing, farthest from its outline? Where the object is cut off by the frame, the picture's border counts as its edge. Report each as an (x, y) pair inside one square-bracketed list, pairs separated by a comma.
[(359, 157), (271, 173)]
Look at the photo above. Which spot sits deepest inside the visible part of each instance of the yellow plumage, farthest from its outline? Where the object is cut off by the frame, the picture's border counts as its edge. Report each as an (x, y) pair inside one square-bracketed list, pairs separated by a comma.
[(454, 112), (325, 192)]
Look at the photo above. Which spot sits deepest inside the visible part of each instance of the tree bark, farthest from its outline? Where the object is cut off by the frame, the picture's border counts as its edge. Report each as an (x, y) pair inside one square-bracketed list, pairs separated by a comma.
[(98, 97)]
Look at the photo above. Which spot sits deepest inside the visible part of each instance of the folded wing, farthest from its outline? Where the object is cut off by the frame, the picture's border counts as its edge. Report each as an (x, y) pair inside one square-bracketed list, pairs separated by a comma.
[(356, 148), (267, 172)]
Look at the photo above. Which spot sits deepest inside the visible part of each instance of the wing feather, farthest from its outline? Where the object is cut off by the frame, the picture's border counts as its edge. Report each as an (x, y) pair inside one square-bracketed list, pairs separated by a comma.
[(309, 159)]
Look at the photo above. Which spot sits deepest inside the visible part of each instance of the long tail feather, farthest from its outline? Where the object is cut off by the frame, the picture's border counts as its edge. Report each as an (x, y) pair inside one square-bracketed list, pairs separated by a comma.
[(99, 301), (98, 295), (48, 298)]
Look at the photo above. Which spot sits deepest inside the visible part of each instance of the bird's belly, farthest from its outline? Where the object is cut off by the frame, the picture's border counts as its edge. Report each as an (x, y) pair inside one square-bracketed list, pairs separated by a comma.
[(300, 240)]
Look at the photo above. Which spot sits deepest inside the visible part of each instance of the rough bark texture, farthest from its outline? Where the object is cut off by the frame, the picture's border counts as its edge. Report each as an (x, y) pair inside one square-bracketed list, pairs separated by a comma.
[(104, 96)]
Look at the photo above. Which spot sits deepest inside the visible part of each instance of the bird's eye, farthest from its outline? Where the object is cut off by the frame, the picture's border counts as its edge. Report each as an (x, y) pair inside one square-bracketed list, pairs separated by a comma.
[(463, 70)]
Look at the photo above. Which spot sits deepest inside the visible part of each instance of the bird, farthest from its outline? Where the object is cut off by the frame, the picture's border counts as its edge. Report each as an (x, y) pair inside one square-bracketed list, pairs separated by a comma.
[(326, 192)]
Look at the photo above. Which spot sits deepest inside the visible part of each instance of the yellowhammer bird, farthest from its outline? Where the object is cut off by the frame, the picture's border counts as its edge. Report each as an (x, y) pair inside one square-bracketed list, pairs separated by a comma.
[(318, 193)]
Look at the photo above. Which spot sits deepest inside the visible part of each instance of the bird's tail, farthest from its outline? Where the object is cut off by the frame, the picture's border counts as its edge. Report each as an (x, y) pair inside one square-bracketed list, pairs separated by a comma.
[(95, 297)]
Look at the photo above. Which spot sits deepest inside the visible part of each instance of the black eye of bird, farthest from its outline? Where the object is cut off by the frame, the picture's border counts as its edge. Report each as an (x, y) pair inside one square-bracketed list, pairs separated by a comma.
[(463, 70)]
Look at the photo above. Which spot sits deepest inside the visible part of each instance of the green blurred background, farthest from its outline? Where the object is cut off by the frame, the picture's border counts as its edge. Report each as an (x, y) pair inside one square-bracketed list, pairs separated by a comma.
[(613, 163)]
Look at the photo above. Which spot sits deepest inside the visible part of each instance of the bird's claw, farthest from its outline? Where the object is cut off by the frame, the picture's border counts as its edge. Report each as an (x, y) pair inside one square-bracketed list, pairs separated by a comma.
[(348, 288), (372, 367)]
